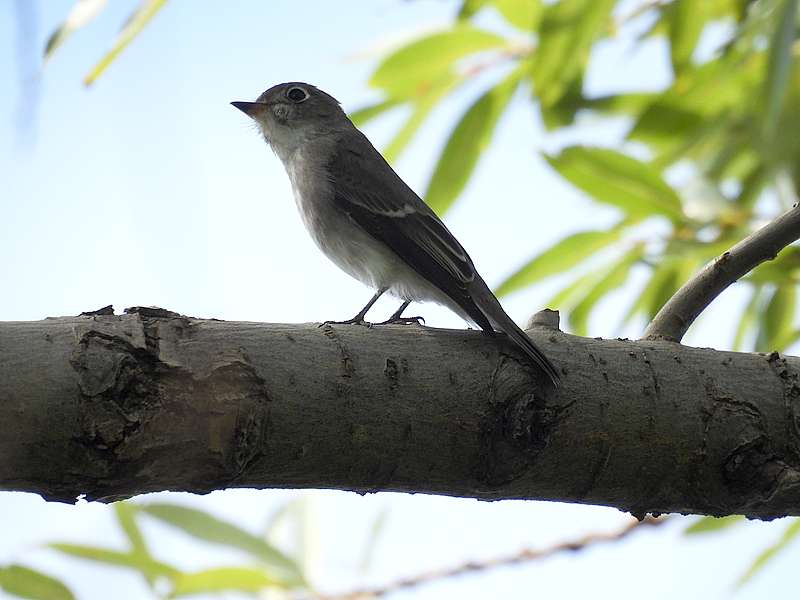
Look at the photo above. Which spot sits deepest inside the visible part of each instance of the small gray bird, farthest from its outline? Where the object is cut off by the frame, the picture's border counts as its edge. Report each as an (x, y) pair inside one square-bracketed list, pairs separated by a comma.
[(367, 220)]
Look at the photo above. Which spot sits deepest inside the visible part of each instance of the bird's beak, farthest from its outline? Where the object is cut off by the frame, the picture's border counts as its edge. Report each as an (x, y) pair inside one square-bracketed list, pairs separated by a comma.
[(249, 108)]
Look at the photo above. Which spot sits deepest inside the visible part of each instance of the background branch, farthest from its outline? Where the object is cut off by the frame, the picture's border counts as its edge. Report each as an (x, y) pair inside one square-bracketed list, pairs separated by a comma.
[(678, 314), (525, 555)]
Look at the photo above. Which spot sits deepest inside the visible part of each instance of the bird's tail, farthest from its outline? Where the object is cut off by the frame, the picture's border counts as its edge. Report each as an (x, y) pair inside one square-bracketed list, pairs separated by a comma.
[(500, 320)]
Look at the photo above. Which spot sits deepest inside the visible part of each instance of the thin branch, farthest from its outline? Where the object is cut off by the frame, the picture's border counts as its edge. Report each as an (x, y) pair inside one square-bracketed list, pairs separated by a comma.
[(678, 314), (525, 555)]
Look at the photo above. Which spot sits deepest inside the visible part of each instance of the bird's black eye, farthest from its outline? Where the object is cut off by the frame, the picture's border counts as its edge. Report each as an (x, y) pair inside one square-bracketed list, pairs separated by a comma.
[(296, 94)]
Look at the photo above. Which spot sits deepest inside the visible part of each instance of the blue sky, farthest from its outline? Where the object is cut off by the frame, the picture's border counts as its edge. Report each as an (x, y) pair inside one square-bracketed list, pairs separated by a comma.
[(150, 189)]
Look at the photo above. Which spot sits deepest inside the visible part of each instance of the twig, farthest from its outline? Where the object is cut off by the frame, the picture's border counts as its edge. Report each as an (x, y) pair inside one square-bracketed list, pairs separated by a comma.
[(680, 311), (525, 555)]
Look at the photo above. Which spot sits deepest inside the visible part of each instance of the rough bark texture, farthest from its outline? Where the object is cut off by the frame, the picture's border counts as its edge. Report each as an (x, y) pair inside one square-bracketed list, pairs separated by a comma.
[(108, 406)]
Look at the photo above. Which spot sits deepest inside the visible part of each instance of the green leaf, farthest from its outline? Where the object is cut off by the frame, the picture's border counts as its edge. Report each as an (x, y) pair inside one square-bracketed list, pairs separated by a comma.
[(613, 278), (206, 527), (700, 109), (466, 143), (422, 107), (712, 524), (223, 579), (760, 562), (125, 513), (558, 258), (470, 7), (131, 560), (619, 180), (80, 15), (146, 10), (293, 523), (566, 34), (655, 292), (413, 68), (522, 14), (21, 581), (126, 517), (367, 113), (778, 317), (371, 543), (566, 295), (779, 63), (782, 269), (686, 20), (788, 338), (748, 318)]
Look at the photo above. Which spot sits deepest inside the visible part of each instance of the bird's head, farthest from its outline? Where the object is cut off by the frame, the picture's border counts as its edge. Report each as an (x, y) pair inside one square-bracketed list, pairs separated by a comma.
[(291, 114)]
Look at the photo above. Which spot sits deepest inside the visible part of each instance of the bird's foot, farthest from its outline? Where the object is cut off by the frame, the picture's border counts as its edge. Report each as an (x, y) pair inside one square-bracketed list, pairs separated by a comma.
[(403, 321), (353, 321)]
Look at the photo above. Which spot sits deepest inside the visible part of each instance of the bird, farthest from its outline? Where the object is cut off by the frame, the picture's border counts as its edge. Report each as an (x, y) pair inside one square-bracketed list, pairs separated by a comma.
[(368, 221)]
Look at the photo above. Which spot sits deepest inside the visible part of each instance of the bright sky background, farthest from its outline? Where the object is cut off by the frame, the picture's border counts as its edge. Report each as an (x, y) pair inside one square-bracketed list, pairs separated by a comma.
[(150, 189)]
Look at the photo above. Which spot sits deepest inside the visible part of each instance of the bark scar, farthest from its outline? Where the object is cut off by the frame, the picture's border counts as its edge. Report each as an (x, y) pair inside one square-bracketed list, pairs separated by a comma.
[(520, 419), (346, 361)]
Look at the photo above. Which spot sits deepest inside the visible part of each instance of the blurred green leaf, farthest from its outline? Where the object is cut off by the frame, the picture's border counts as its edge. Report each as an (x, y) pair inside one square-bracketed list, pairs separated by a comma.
[(293, 522), (558, 258), (761, 561), (522, 14), (418, 65), (785, 340), (779, 63), (223, 579), (146, 10), (782, 269), (80, 15), (422, 107), (203, 526), (23, 582), (567, 294), (712, 524), (470, 7), (566, 33), (130, 560), (373, 537), (662, 125), (612, 278), (685, 26), (656, 291), (685, 20), (367, 113), (700, 110), (466, 143), (778, 318), (126, 517), (748, 318), (619, 180), (125, 513)]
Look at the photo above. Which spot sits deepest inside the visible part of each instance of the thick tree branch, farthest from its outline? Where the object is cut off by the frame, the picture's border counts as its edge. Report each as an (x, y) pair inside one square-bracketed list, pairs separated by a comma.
[(110, 406), (677, 315)]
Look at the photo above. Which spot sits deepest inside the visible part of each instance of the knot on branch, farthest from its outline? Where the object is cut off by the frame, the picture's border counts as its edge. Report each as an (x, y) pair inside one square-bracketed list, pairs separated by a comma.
[(520, 419), (140, 405), (547, 318)]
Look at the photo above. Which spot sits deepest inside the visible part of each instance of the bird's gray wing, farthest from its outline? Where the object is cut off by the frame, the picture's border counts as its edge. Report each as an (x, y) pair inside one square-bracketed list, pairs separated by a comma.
[(373, 195)]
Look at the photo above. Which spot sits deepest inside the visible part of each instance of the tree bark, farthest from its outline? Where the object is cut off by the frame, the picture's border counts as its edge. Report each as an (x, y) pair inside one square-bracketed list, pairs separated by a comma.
[(110, 406)]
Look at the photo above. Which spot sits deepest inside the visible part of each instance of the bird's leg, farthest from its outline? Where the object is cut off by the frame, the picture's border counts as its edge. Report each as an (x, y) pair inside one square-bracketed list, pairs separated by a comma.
[(396, 318), (359, 318)]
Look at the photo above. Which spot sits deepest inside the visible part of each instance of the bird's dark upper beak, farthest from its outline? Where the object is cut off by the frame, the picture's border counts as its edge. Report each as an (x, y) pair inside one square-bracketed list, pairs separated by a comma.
[(249, 108)]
